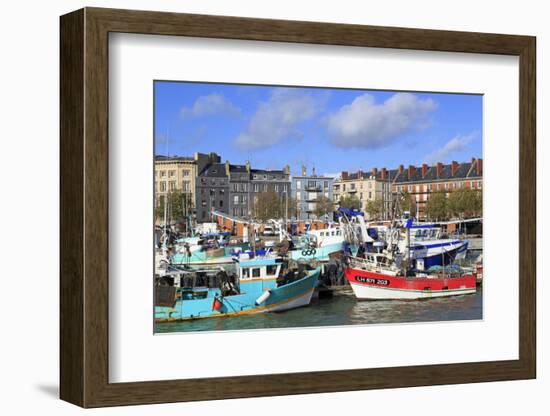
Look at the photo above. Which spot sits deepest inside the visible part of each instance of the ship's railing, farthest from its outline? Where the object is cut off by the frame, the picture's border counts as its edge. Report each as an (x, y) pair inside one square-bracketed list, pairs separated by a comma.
[(373, 262)]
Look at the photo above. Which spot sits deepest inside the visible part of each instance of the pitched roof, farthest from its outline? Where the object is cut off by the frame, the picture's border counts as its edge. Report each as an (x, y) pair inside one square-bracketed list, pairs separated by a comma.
[(463, 171), (163, 158), (214, 170), (238, 168), (267, 171)]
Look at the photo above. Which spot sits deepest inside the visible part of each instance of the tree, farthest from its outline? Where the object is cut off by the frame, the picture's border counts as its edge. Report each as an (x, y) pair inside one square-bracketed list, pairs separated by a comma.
[(437, 206), (465, 203), (375, 209), (407, 202), (323, 207), (351, 202), (266, 206), (180, 206), (272, 205)]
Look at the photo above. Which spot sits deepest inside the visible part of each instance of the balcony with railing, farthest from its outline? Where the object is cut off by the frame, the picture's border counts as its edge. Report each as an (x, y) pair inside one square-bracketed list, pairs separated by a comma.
[(313, 188)]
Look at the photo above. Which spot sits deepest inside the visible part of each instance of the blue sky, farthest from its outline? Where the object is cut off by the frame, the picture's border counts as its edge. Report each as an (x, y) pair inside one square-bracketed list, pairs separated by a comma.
[(333, 130)]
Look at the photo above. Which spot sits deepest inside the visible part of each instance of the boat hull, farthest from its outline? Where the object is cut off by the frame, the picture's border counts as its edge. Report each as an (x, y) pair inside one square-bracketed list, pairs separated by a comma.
[(200, 259), (438, 253), (370, 285), (289, 296), (317, 253)]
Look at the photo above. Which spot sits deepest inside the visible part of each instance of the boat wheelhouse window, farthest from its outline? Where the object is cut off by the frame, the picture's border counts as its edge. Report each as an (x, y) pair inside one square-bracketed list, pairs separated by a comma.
[(256, 272), (245, 273), (271, 270)]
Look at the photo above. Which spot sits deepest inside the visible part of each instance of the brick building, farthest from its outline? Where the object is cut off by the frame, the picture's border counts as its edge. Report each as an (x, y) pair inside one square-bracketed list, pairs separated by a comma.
[(424, 180), (420, 182)]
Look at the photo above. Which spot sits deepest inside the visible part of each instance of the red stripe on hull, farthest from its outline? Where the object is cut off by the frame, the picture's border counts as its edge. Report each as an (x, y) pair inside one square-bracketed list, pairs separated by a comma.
[(378, 280)]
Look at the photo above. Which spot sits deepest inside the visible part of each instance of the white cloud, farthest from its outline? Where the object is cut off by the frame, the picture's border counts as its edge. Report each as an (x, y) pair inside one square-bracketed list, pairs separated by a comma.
[(456, 144), (278, 118), (210, 104), (365, 123)]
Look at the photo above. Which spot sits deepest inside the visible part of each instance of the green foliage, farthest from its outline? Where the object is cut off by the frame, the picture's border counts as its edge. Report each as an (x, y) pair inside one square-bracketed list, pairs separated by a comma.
[(350, 201), (465, 203), (323, 206), (375, 209), (436, 207), (271, 205), (180, 206), (407, 202)]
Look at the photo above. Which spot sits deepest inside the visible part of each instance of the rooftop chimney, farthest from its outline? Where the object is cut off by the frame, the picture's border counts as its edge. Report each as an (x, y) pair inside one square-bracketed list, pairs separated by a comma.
[(286, 170), (227, 167), (424, 169), (360, 174), (401, 169), (214, 158), (374, 171), (454, 167), (411, 171), (383, 173), (304, 171), (345, 175), (248, 166), (479, 167), (438, 169)]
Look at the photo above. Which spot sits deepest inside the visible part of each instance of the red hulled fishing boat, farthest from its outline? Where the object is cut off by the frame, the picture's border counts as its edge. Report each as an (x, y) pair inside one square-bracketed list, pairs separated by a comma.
[(372, 279)]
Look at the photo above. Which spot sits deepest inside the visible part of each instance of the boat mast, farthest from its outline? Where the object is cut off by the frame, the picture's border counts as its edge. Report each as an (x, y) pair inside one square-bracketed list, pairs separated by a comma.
[(408, 251), (165, 233)]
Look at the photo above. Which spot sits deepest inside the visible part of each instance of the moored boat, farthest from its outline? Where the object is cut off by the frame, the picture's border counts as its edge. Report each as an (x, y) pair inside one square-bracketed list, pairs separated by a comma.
[(263, 286), (381, 281), (426, 247), (209, 250)]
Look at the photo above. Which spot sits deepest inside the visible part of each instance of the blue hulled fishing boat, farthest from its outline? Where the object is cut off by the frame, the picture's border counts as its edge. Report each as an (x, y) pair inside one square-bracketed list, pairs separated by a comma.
[(261, 287)]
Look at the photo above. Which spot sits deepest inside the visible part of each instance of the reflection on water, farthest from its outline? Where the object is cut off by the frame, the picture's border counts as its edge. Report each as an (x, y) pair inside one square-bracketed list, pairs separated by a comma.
[(344, 309)]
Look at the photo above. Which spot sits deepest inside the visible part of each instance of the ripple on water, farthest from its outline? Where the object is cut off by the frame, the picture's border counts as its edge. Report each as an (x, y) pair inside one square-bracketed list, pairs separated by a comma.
[(343, 309)]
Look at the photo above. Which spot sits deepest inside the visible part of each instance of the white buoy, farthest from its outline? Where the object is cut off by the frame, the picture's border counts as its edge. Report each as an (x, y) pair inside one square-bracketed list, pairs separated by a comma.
[(263, 297)]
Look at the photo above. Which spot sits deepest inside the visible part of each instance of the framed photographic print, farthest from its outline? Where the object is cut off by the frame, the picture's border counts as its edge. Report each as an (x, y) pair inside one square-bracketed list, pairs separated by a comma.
[(256, 207)]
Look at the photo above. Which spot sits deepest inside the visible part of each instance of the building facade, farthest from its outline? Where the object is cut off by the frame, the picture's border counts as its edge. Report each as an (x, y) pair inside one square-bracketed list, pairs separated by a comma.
[(174, 174), (250, 183), (212, 191), (421, 182), (234, 189), (365, 186), (306, 191)]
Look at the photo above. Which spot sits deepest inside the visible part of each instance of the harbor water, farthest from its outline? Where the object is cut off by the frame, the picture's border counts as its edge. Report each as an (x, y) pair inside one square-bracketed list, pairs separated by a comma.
[(344, 309)]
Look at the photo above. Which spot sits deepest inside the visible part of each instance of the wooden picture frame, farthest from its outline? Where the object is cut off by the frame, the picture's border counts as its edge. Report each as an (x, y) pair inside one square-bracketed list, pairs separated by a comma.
[(84, 207)]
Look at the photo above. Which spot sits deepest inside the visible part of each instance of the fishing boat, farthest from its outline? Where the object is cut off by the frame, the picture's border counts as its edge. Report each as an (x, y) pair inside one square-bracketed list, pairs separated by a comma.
[(318, 245), (207, 250), (377, 277), (313, 246), (426, 248), (263, 285)]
